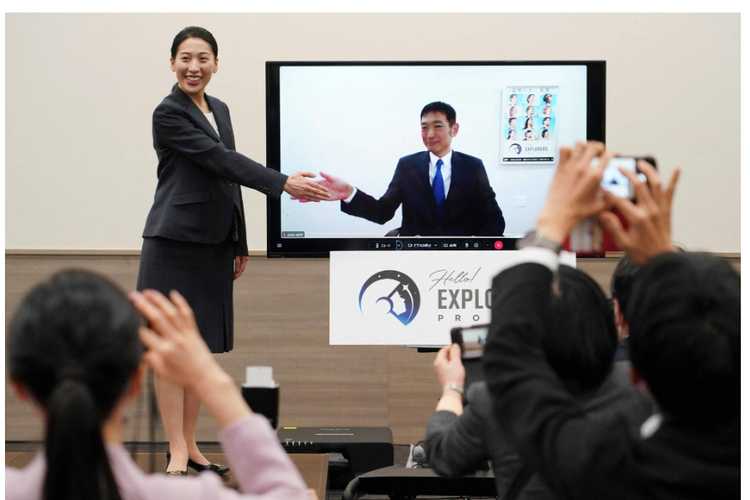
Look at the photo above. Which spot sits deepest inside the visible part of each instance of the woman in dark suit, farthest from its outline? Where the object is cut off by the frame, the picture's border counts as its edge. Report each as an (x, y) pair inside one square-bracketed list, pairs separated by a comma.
[(195, 240)]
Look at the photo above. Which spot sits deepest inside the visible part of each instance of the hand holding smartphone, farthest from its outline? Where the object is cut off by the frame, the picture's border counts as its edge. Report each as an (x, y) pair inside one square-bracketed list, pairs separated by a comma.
[(589, 237)]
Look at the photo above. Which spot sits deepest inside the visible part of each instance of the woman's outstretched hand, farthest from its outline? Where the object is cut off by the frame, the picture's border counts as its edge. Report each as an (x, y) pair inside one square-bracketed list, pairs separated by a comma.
[(299, 186), (338, 189)]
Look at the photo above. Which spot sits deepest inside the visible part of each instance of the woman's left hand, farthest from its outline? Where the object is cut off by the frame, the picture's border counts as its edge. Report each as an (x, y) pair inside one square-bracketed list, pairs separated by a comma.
[(240, 261)]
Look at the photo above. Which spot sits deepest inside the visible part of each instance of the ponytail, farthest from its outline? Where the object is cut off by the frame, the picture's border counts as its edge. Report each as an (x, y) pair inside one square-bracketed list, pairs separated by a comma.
[(73, 344), (73, 421)]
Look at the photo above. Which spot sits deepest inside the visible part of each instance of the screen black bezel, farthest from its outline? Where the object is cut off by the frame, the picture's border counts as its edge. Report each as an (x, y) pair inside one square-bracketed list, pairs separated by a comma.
[(321, 247)]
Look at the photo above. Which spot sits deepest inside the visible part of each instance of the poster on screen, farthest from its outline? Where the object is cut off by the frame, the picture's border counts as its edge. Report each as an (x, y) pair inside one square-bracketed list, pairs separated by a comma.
[(412, 298)]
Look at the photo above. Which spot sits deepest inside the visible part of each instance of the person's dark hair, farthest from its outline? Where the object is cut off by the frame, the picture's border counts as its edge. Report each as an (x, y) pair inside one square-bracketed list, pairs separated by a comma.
[(440, 107), (545, 133), (623, 279), (547, 98), (547, 118), (528, 108), (194, 32), (512, 96), (510, 120), (684, 319), (511, 132), (73, 345), (528, 97), (529, 121), (582, 337)]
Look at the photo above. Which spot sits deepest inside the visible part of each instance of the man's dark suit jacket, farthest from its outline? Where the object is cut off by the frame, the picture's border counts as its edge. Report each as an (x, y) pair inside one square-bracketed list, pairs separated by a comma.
[(470, 208), (456, 444), (577, 457), (198, 192)]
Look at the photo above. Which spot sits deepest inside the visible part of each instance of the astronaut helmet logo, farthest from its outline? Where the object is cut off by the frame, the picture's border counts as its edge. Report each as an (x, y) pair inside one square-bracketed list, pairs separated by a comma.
[(390, 294)]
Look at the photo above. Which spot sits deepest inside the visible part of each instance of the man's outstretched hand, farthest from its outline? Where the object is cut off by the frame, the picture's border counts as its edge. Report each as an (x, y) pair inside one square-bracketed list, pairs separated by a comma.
[(300, 187), (649, 229), (337, 189)]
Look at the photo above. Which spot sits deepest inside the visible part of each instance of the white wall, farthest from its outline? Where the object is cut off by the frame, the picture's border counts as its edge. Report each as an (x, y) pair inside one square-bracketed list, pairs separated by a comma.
[(80, 90)]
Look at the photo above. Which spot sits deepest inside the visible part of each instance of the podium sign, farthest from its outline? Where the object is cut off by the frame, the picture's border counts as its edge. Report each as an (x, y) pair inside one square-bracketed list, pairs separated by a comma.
[(412, 298)]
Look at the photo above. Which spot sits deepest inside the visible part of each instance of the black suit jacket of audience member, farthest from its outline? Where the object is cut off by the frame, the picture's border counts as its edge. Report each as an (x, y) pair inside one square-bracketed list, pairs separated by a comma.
[(470, 208), (577, 457), (456, 444), (199, 174)]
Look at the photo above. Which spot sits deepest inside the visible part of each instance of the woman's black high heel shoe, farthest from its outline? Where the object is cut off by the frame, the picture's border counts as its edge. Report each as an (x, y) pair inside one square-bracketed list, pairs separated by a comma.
[(174, 472), (216, 468)]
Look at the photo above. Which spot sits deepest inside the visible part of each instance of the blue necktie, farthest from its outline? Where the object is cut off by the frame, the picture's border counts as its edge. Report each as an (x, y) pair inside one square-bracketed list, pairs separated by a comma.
[(438, 188)]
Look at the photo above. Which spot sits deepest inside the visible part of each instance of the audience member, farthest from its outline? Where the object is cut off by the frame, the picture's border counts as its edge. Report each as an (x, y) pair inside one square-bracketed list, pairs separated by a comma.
[(74, 353), (580, 353), (684, 324)]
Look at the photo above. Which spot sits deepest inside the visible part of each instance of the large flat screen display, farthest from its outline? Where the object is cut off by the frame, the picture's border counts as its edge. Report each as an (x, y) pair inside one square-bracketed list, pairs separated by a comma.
[(408, 179)]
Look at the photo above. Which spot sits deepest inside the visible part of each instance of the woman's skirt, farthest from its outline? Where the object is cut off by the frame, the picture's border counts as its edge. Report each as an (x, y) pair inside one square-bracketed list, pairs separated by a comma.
[(203, 274)]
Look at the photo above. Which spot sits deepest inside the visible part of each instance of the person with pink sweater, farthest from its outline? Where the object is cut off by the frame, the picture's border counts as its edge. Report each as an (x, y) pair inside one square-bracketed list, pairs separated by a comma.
[(75, 352)]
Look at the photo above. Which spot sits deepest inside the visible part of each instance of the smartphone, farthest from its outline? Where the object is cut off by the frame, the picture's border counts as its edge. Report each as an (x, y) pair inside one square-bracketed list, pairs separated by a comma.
[(615, 181), (471, 340)]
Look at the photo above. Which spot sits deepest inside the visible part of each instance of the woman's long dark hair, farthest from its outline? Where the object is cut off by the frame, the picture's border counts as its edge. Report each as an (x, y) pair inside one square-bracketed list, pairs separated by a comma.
[(194, 32), (73, 345)]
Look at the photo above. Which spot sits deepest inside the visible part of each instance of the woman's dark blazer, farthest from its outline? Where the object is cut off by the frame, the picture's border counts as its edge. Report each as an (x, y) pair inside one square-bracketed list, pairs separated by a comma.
[(199, 174)]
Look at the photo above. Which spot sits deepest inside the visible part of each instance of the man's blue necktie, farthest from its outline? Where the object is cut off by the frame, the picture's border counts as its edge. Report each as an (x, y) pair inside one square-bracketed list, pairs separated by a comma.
[(438, 188)]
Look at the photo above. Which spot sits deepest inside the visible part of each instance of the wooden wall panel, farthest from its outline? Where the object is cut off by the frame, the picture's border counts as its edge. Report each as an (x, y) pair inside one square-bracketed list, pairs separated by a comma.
[(413, 392), (281, 320)]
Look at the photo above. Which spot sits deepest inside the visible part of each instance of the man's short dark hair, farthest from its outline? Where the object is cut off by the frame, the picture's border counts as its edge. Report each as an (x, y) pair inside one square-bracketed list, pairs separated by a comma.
[(582, 337), (684, 321), (623, 279), (440, 107)]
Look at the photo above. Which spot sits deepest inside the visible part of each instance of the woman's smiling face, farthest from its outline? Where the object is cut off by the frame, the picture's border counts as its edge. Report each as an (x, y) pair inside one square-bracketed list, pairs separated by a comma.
[(194, 65)]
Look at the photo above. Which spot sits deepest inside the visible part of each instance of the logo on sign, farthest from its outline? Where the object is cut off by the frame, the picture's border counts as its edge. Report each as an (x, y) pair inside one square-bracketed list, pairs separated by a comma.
[(390, 294)]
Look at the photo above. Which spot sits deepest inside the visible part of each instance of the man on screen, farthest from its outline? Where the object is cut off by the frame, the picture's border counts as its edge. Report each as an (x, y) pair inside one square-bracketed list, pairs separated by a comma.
[(443, 192)]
